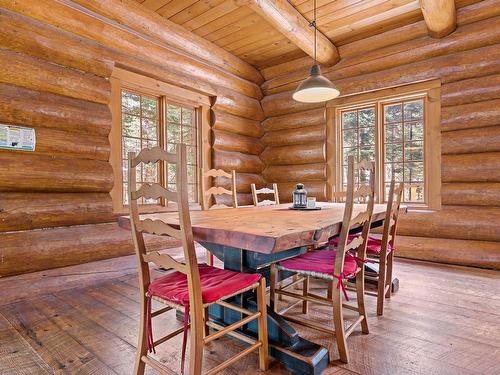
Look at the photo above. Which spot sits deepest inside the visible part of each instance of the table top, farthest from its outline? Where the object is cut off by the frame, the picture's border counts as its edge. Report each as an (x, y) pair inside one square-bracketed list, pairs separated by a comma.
[(264, 229)]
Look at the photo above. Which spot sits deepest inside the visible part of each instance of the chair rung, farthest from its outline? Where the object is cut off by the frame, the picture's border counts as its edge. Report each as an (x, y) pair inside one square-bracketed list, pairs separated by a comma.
[(350, 307), (234, 334), (307, 324), (295, 282), (387, 287), (231, 360), (235, 308), (169, 336), (231, 327), (289, 307), (161, 311), (156, 365), (349, 330), (305, 298)]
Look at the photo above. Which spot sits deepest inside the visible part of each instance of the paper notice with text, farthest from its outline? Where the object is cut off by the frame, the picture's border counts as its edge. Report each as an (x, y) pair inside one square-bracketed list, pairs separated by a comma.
[(17, 138)]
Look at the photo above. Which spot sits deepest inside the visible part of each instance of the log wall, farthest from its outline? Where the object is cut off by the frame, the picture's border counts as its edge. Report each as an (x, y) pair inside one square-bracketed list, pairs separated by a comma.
[(467, 62), (55, 207)]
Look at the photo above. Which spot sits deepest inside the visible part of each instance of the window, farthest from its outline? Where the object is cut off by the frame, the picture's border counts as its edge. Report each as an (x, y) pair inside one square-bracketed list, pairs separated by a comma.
[(400, 132), (150, 113)]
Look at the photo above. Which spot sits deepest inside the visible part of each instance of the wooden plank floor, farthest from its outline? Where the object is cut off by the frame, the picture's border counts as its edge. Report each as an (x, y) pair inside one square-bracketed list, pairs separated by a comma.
[(84, 320)]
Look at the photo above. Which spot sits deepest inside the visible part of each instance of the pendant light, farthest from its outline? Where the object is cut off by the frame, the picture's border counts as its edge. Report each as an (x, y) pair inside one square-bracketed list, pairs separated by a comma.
[(316, 88)]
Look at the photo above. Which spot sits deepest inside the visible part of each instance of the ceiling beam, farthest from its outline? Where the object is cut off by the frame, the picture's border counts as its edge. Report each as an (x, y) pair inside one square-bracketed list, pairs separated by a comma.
[(440, 17), (286, 19)]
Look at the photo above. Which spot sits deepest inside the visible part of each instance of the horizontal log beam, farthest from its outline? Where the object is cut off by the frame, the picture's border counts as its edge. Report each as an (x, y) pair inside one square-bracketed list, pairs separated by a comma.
[(41, 173), (175, 36), (36, 250), (239, 105), (25, 211), (302, 173), (440, 17), (69, 145), (243, 199), (22, 106), (471, 140), (444, 250), (37, 39), (235, 124), (473, 115), (297, 154), (295, 120), (305, 135), (471, 193), (43, 76), (482, 167), (226, 141), (457, 222), (471, 90), (288, 21), (229, 160)]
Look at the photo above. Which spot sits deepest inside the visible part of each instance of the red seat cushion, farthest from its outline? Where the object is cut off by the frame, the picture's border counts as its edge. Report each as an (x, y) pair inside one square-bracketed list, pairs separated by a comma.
[(215, 284), (374, 245), (321, 261)]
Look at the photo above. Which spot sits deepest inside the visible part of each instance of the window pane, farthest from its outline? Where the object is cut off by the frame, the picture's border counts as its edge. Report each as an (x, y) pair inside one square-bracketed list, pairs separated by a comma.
[(173, 114), (350, 138), (191, 155), (171, 173), (397, 169), (150, 172), (350, 152), (366, 117), (392, 113), (149, 128), (131, 145), (131, 126), (414, 131), (414, 151), (393, 152), (414, 110), (393, 133), (414, 172), (131, 103), (191, 170), (173, 133), (188, 135), (367, 136), (149, 108), (349, 119), (149, 144), (171, 147), (187, 116), (367, 153)]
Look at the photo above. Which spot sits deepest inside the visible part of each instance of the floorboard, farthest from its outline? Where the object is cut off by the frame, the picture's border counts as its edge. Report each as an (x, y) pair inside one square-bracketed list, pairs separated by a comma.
[(84, 320)]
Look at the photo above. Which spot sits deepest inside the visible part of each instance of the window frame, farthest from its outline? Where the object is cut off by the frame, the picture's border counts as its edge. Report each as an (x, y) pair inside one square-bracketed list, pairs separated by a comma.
[(129, 81), (430, 92)]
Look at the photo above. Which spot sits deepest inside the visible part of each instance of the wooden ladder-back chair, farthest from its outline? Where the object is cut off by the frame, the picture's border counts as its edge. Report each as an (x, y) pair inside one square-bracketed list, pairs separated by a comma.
[(190, 287), (208, 195), (339, 264), (382, 250), (256, 192)]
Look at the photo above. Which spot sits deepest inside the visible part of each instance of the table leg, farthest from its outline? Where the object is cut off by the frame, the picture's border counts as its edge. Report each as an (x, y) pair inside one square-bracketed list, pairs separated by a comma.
[(299, 355)]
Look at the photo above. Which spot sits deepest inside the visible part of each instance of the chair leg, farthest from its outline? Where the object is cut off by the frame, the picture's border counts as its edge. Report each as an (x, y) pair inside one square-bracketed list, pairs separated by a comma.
[(382, 274), (210, 258), (305, 290), (206, 328), (388, 281), (338, 320), (273, 302), (142, 347), (196, 342), (360, 297), (262, 322), (329, 293)]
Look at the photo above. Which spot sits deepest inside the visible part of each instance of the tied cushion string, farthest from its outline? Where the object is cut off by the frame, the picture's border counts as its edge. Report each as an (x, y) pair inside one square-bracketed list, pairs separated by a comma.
[(149, 330), (340, 284)]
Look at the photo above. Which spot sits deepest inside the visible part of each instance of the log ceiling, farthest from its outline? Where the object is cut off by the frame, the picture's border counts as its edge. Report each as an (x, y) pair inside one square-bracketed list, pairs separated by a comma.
[(242, 31)]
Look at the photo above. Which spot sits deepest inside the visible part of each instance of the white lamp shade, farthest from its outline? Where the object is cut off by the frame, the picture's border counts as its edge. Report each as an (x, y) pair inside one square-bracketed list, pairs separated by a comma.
[(316, 88)]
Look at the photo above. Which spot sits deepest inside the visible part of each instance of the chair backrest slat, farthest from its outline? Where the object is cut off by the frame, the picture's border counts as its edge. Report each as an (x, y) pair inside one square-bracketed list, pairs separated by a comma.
[(265, 190), (210, 194), (154, 191), (362, 218)]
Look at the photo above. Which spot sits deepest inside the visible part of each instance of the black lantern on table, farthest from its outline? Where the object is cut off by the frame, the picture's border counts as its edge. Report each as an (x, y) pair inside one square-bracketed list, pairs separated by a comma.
[(299, 197)]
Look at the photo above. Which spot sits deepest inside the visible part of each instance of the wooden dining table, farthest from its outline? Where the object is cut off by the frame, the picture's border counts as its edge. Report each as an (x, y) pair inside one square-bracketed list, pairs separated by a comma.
[(249, 239)]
